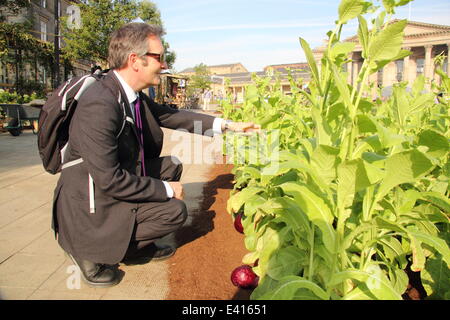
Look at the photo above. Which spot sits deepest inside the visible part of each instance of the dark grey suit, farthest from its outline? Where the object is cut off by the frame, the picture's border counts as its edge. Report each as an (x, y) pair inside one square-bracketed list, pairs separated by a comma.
[(121, 195)]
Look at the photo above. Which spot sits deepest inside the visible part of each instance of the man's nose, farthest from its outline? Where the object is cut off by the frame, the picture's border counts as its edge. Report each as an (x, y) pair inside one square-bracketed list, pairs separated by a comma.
[(164, 65)]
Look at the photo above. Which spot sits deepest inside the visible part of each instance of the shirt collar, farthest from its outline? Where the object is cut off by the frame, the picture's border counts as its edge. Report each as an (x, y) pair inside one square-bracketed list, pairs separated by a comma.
[(131, 94)]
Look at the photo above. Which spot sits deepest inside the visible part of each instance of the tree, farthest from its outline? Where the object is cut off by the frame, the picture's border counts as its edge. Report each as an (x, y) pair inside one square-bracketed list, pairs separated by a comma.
[(201, 80), (99, 18)]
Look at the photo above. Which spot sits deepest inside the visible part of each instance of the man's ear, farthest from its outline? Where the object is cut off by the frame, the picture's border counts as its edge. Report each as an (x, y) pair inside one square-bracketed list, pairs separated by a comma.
[(132, 61)]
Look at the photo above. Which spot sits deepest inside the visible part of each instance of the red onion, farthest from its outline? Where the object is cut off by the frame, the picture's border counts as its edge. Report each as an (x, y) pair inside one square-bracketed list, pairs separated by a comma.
[(244, 277), (238, 223)]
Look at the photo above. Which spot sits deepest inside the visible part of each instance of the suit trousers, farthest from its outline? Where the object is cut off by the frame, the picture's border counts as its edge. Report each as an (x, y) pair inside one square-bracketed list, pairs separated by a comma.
[(155, 220)]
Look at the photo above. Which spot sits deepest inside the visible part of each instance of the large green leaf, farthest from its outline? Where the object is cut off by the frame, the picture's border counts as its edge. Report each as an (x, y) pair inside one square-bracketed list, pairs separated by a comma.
[(393, 250), (401, 105), (316, 209), (418, 254), (390, 5), (322, 130), (387, 44), (379, 284), (238, 199), (438, 145), (374, 173), (267, 245), (366, 123), (324, 160), (422, 101), (340, 51), (404, 167), (276, 169), (436, 243), (380, 64), (287, 261), (437, 199), (291, 213), (288, 286), (341, 84), (311, 62), (352, 177), (350, 9), (436, 278), (252, 204), (363, 35), (374, 284)]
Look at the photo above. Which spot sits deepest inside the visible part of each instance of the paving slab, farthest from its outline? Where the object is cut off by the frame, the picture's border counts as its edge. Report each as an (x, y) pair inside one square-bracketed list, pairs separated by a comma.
[(33, 266)]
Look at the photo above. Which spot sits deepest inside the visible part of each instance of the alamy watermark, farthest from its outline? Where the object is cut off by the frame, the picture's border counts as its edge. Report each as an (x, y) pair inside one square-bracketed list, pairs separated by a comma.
[(73, 282), (73, 17), (237, 148)]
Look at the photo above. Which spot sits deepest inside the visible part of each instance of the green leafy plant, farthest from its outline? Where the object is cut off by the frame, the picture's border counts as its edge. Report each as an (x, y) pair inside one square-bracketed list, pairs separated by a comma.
[(14, 97), (357, 191)]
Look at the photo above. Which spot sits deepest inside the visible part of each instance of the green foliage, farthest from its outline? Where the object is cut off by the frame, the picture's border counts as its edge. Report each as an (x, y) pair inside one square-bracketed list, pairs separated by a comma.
[(355, 190), (200, 80), (99, 19), (14, 97)]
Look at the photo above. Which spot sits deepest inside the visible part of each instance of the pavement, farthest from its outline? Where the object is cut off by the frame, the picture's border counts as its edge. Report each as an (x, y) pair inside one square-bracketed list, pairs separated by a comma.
[(34, 267)]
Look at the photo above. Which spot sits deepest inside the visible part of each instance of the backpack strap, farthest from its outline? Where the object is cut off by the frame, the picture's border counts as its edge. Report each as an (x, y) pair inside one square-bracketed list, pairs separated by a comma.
[(71, 163), (87, 82)]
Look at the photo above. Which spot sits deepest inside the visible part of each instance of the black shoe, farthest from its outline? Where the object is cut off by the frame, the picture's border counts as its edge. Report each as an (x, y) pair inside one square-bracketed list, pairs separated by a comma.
[(151, 252), (97, 274)]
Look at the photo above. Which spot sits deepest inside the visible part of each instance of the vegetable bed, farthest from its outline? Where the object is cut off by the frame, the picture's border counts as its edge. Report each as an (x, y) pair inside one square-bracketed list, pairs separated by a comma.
[(346, 194)]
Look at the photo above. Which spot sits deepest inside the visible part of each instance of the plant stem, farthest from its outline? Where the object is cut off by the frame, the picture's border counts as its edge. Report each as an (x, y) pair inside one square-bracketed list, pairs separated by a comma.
[(311, 254), (365, 71), (338, 30)]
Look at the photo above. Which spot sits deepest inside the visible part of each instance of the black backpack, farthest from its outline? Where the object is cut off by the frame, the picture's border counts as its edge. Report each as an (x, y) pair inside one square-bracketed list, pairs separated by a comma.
[(55, 117)]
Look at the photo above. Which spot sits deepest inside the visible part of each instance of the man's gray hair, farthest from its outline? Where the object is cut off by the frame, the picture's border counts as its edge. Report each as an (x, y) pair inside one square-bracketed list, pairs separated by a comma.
[(132, 37)]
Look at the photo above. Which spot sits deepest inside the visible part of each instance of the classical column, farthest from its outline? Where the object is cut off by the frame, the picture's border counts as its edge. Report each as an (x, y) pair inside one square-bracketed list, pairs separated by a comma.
[(448, 59), (350, 70), (406, 67), (428, 62), (355, 71)]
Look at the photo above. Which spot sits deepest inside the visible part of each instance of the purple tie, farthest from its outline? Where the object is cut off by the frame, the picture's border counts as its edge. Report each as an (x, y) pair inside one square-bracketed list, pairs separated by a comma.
[(137, 112)]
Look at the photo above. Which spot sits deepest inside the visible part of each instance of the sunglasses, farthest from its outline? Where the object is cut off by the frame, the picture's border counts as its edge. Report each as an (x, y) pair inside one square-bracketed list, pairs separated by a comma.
[(157, 56)]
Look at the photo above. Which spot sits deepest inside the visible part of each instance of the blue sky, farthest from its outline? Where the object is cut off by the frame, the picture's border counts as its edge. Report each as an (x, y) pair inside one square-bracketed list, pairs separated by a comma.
[(262, 32)]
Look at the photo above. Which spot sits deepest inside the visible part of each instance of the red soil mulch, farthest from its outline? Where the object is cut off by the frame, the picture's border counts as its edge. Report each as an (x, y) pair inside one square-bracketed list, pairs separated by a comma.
[(209, 249)]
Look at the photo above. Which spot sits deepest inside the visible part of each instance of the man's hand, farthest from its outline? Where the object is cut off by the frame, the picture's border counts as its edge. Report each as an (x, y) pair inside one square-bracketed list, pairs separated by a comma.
[(242, 127), (177, 188)]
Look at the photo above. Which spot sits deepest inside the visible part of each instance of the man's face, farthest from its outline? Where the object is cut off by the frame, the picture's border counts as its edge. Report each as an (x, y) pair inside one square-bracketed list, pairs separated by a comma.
[(152, 63)]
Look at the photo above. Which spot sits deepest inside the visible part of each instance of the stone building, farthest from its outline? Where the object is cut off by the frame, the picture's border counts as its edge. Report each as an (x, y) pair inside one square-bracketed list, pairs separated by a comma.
[(41, 14), (219, 69), (233, 78), (426, 41)]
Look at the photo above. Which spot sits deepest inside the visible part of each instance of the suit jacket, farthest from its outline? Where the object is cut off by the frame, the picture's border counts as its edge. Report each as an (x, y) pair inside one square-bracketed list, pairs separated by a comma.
[(109, 147)]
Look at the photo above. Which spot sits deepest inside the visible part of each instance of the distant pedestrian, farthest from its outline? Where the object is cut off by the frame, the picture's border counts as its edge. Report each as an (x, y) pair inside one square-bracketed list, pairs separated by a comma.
[(206, 99)]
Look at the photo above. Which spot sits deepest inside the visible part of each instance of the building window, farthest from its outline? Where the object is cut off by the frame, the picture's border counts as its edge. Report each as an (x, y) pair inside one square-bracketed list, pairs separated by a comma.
[(44, 30), (399, 65), (380, 78), (420, 66)]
